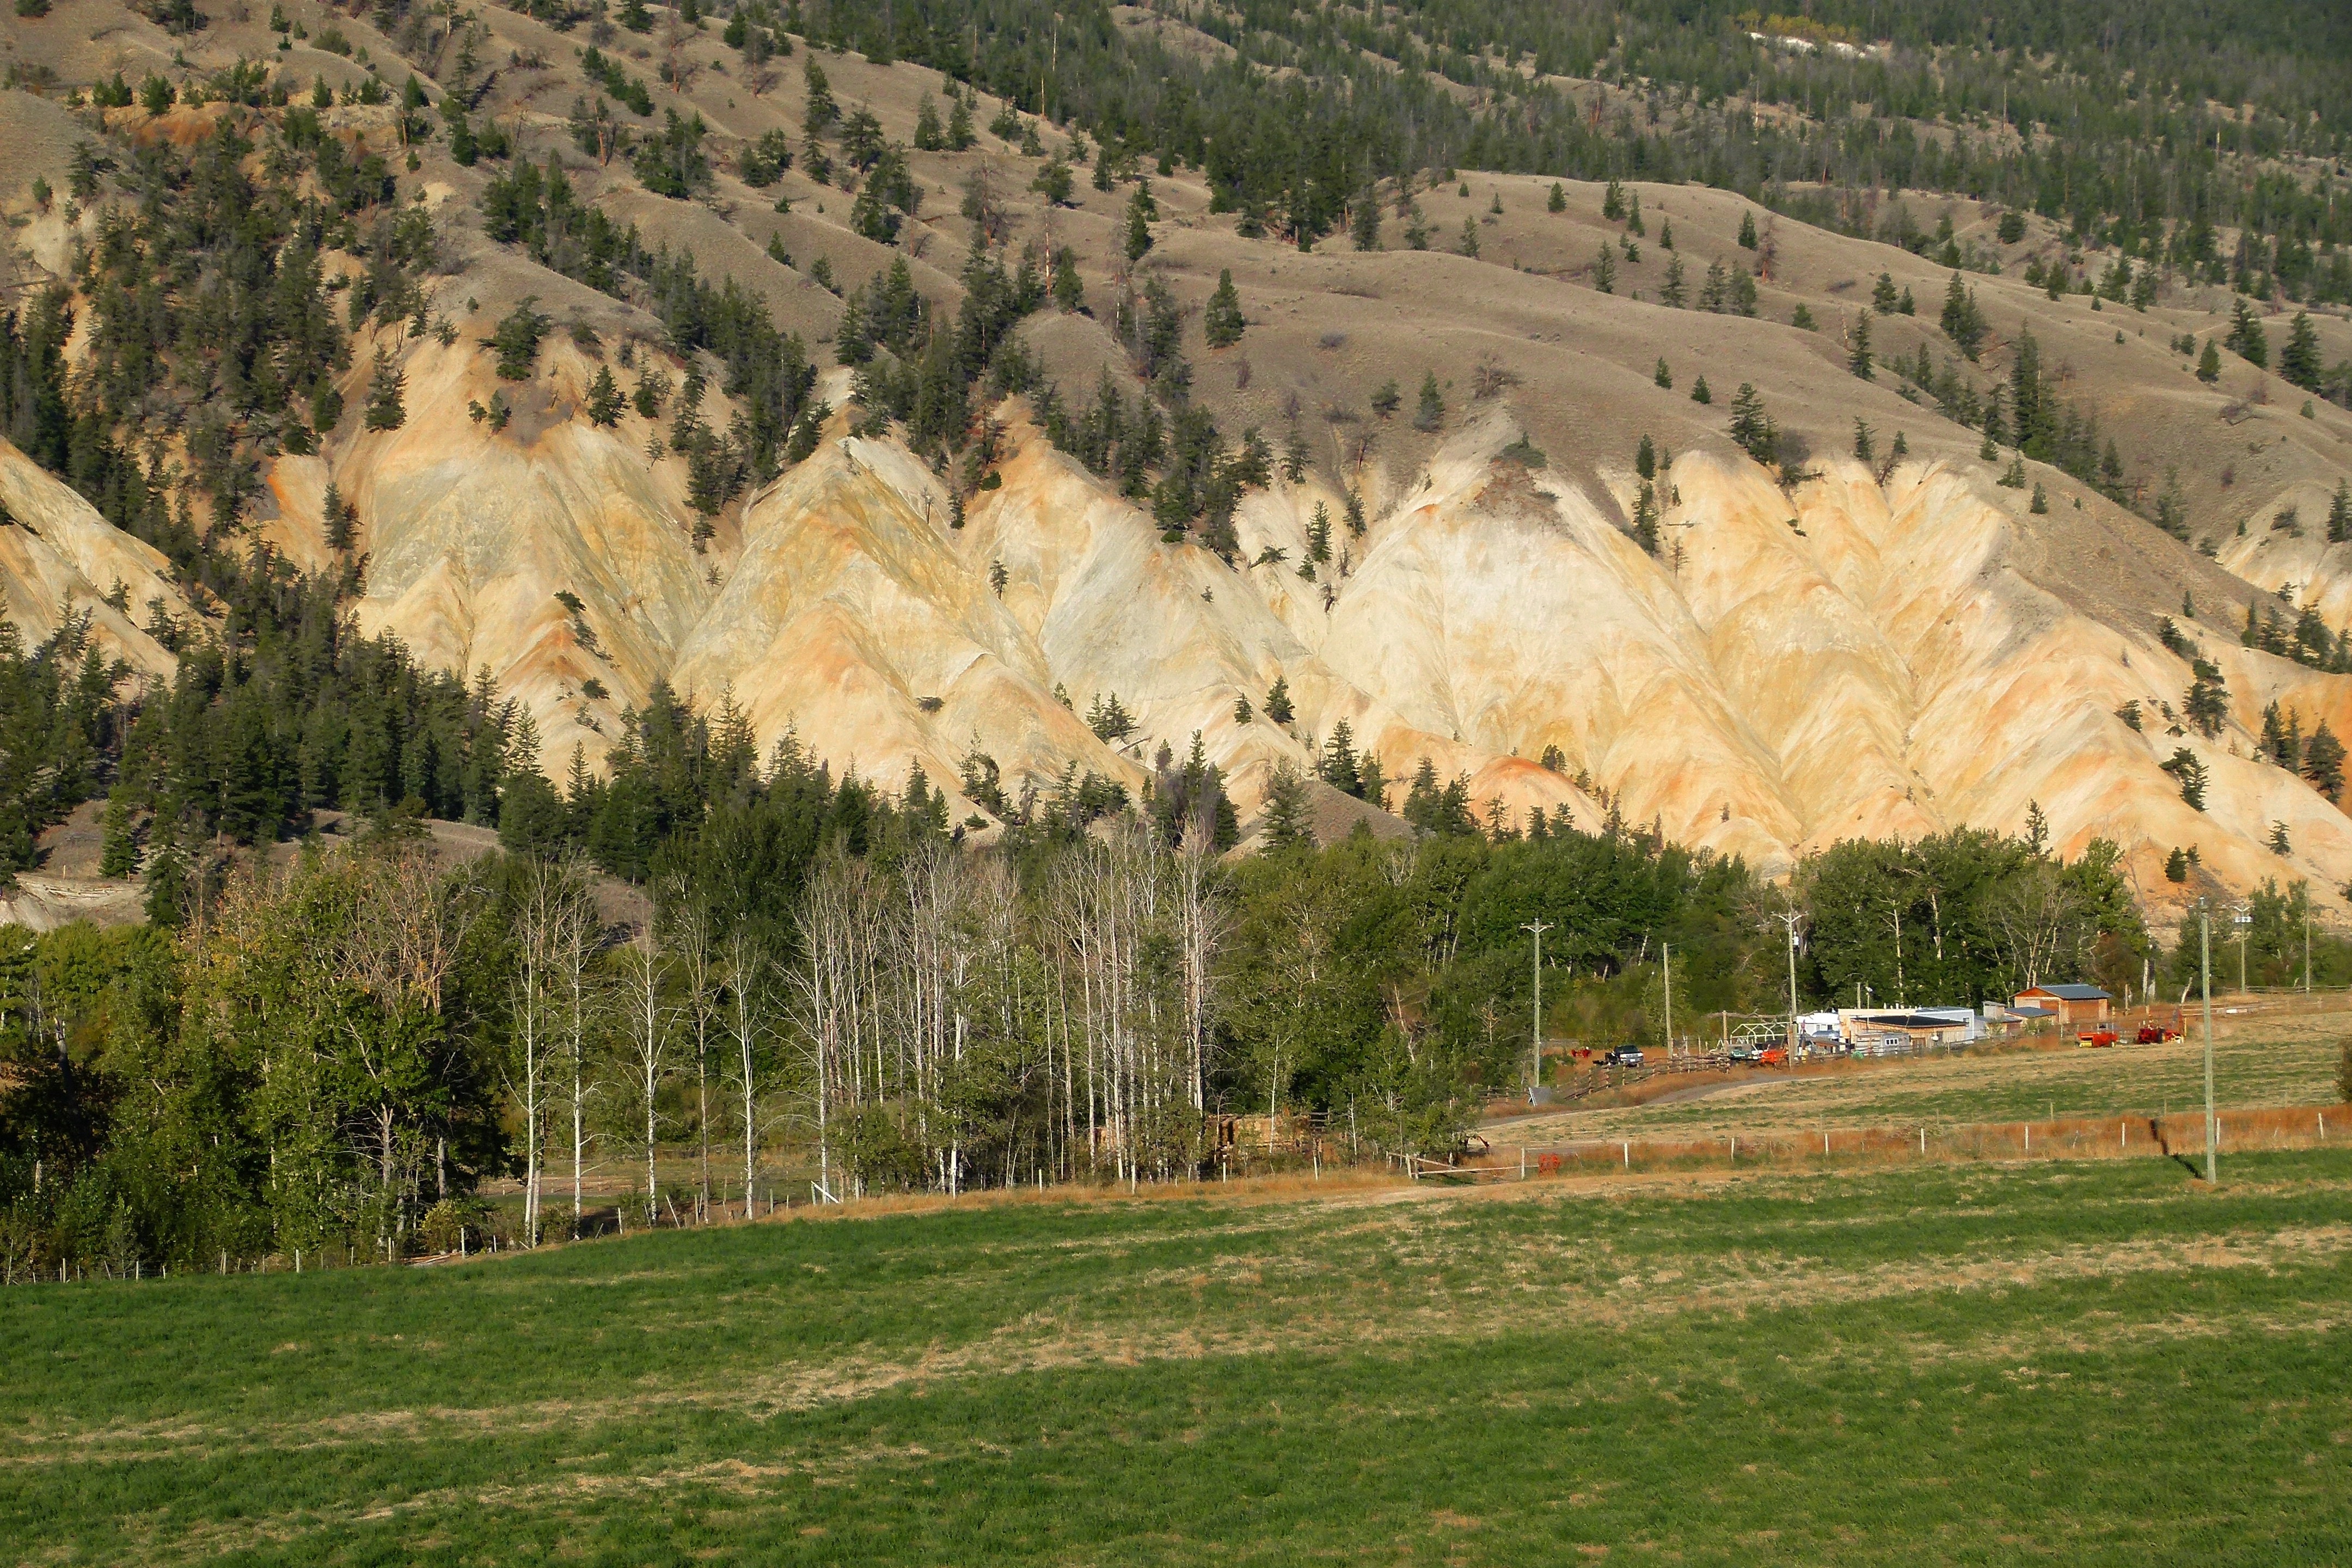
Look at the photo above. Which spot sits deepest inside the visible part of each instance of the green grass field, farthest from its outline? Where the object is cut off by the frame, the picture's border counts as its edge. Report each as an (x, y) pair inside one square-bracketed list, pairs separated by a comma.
[(2097, 1362)]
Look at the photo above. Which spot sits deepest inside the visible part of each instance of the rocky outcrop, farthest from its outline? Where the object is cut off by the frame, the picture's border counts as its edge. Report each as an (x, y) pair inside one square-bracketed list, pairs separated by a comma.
[(59, 559)]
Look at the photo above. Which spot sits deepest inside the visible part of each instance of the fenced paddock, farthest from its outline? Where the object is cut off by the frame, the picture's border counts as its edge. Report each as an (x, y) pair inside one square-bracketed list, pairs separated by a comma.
[(2176, 1135)]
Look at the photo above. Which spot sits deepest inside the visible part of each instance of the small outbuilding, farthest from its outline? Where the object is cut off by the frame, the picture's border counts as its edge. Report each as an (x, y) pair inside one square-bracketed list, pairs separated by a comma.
[(2073, 1005), (1888, 1031)]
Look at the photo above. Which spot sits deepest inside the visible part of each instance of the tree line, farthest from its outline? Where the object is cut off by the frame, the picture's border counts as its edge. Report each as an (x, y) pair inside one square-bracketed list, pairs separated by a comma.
[(710, 972)]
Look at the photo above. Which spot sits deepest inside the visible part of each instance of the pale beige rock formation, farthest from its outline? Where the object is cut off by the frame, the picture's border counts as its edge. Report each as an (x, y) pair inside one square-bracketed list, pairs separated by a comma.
[(59, 558)]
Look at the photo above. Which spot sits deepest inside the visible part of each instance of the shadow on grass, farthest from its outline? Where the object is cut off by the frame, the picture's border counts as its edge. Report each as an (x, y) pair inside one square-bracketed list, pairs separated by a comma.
[(2182, 1158)]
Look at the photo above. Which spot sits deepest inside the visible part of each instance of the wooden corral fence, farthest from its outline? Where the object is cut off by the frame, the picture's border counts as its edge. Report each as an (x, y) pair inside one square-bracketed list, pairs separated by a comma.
[(1474, 1162), (2178, 1136)]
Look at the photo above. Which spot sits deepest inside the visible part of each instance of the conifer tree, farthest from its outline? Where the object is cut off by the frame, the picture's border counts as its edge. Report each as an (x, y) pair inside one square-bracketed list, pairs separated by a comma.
[(1699, 394), (1364, 222), (1069, 289), (1288, 824), (1752, 428), (2323, 762), (1613, 203), (603, 398), (2246, 338), (1673, 291), (1962, 322), (1857, 359), (119, 849), (1277, 700), (335, 518), (1222, 323), (2339, 513), (2185, 766), (1712, 292), (819, 111), (1430, 415), (387, 385), (2209, 364), (1139, 222), (1748, 231), (1881, 296), (1053, 183), (1468, 244), (1558, 201), (1664, 375), (1645, 459), (2299, 362), (517, 339)]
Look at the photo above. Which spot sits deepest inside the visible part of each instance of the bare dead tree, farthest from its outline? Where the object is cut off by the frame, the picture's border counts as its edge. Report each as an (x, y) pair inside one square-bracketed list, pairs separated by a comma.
[(2032, 912), (746, 973), (1203, 924), (532, 999), (696, 958), (576, 938), (645, 971)]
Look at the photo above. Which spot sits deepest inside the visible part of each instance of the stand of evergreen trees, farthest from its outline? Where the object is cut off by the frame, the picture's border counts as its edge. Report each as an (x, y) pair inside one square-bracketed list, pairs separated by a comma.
[(1314, 104)]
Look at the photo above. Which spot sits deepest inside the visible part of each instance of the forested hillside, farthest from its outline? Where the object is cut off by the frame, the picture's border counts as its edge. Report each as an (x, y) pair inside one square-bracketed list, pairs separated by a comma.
[(2157, 128)]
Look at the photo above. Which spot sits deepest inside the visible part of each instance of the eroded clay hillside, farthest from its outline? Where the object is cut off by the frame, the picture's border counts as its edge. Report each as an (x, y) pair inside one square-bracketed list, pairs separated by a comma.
[(1758, 659)]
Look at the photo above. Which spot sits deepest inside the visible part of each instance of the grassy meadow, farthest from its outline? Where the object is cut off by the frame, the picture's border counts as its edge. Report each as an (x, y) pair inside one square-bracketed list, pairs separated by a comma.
[(2284, 1054), (2094, 1362)]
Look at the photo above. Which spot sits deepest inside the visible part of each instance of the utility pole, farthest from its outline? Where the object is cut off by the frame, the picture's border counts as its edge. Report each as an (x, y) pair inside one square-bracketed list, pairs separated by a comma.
[(2205, 975), (1789, 917), (1667, 957), (2244, 920), (1535, 1039), (2307, 945)]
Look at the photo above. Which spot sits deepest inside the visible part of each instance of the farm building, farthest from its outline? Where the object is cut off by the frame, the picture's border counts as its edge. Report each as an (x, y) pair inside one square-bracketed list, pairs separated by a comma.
[(2072, 1005), (1908, 1028)]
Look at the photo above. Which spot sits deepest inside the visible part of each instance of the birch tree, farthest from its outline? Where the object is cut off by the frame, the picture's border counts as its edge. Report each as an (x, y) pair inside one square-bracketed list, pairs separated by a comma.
[(574, 948), (745, 975), (695, 957), (647, 1021), (554, 923)]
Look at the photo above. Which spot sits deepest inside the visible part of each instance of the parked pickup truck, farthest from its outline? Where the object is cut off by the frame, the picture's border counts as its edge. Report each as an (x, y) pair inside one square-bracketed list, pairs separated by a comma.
[(1623, 1057)]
